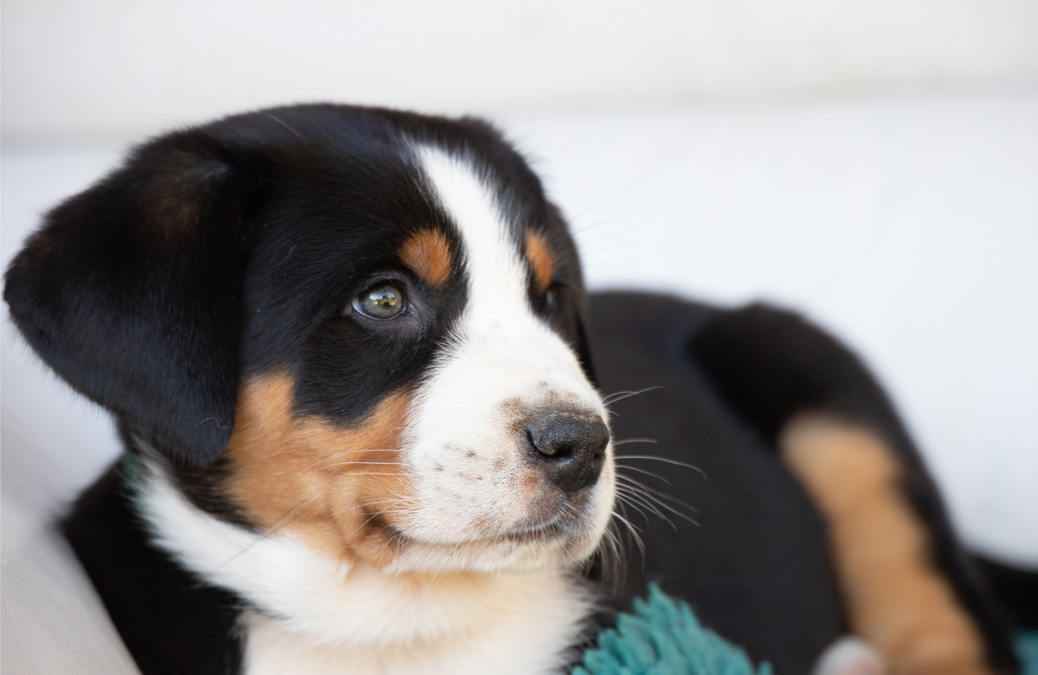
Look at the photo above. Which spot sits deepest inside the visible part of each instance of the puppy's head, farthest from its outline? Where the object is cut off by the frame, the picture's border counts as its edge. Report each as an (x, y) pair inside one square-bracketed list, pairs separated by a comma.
[(358, 326)]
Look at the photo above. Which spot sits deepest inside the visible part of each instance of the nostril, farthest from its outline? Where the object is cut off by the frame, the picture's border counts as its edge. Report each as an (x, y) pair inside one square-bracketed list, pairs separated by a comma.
[(569, 446), (553, 435)]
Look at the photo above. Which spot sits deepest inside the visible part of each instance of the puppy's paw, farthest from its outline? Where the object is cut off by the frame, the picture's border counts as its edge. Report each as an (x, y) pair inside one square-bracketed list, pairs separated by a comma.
[(850, 656)]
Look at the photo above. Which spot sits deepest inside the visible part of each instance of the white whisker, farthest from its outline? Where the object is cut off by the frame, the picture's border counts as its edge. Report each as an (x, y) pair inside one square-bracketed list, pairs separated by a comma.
[(665, 461), (626, 441), (621, 395), (646, 472), (658, 498)]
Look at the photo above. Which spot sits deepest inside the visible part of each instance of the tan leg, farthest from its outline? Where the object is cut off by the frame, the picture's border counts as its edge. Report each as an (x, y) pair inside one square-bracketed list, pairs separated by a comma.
[(897, 600)]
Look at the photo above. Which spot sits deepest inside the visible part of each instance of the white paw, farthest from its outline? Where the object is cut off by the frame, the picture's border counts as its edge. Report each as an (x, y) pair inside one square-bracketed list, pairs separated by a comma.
[(850, 656)]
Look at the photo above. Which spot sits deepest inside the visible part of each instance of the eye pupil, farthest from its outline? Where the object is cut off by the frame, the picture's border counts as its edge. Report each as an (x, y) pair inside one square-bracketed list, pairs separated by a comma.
[(380, 302)]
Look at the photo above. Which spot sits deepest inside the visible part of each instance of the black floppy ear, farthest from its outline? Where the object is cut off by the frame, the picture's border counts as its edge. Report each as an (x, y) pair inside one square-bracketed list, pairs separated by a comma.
[(131, 292)]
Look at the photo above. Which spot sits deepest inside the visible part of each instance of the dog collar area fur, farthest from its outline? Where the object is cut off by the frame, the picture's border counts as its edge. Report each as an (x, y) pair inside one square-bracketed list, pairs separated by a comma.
[(133, 471)]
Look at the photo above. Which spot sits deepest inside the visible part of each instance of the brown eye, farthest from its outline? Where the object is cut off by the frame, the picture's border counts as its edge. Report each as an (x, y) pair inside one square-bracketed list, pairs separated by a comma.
[(384, 301)]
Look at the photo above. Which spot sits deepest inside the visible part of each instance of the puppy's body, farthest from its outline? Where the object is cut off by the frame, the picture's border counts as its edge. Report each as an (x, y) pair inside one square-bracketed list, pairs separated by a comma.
[(784, 423), (348, 353)]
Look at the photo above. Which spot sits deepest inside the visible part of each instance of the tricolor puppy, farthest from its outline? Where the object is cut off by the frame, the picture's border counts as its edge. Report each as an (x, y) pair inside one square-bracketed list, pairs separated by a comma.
[(348, 352)]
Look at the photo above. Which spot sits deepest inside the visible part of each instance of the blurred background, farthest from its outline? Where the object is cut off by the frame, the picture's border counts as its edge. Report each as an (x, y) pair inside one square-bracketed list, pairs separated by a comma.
[(871, 163)]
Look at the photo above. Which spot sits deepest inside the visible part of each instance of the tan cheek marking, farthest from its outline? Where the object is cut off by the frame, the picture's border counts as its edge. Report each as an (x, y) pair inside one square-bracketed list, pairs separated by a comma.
[(541, 262), (896, 599), (427, 253), (338, 489)]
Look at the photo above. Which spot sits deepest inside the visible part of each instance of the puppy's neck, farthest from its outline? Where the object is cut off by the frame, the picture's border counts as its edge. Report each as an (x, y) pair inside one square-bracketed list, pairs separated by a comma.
[(309, 608), (509, 623)]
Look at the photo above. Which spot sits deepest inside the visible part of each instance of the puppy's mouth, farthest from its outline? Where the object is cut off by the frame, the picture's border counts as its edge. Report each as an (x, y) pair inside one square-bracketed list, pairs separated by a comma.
[(566, 516), (558, 529), (545, 532), (567, 521)]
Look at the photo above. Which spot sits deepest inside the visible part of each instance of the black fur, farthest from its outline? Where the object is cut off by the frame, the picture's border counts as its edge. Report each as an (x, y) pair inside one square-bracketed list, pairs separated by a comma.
[(172, 622), (131, 293), (769, 365), (234, 250), (755, 563), (729, 380), (1016, 586)]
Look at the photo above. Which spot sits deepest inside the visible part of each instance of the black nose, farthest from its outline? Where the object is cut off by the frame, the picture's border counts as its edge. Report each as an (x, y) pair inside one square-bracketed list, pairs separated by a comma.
[(569, 447)]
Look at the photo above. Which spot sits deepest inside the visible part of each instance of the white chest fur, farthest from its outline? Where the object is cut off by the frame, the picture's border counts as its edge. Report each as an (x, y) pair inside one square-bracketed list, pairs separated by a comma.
[(519, 624), (338, 618)]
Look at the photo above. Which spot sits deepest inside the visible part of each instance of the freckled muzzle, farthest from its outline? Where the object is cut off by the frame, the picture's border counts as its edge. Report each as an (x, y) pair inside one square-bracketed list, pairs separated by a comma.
[(568, 446)]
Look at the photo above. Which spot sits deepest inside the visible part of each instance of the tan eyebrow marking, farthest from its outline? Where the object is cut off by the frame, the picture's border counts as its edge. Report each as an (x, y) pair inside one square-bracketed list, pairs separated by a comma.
[(541, 261), (427, 253)]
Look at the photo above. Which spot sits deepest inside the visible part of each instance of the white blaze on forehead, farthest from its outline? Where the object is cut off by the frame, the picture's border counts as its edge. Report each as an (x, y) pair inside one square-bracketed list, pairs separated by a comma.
[(498, 332), (497, 277), (503, 365)]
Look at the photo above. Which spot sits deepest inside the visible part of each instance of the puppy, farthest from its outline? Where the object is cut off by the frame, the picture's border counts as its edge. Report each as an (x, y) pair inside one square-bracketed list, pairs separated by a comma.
[(349, 353)]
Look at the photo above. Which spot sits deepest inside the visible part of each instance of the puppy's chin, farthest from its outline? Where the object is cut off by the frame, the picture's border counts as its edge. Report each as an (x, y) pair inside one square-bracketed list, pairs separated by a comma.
[(563, 538), (508, 553)]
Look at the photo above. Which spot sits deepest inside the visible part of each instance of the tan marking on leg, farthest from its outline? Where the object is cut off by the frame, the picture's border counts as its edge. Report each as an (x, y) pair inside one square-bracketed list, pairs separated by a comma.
[(427, 253), (338, 489), (896, 599), (541, 261)]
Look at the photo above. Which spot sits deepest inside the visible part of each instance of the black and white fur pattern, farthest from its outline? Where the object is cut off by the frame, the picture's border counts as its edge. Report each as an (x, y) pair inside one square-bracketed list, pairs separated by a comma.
[(312, 487), (523, 615)]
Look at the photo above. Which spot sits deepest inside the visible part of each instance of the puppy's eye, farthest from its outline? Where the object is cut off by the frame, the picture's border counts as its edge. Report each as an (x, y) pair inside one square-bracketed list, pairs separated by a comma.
[(551, 299), (384, 301), (554, 296)]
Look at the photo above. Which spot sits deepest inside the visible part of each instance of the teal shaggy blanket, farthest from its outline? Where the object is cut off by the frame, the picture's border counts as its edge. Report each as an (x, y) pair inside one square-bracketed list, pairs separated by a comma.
[(663, 637), (1027, 650)]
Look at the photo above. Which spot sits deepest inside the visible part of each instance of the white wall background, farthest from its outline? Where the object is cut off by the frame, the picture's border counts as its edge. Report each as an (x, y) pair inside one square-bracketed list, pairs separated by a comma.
[(874, 162), (120, 68)]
